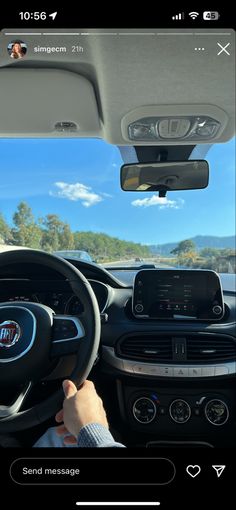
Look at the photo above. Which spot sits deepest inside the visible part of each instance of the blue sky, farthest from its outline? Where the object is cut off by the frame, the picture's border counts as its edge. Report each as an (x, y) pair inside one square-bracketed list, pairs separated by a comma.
[(79, 181)]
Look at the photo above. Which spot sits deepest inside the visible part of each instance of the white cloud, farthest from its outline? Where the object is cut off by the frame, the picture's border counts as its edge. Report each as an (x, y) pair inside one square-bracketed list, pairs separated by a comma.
[(162, 202), (107, 195), (77, 192)]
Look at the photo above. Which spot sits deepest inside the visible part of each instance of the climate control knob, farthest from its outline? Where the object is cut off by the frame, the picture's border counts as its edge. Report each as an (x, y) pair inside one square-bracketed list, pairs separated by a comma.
[(144, 410), (216, 412), (180, 411)]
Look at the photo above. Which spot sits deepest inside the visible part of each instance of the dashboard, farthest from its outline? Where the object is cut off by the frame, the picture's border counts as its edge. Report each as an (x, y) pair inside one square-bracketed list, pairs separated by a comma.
[(171, 375)]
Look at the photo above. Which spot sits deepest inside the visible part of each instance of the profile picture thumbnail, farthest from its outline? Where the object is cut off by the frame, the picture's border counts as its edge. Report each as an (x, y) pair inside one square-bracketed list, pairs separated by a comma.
[(17, 49)]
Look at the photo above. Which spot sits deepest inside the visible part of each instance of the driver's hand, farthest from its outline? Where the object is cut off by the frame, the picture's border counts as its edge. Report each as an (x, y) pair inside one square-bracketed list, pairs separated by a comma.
[(80, 408)]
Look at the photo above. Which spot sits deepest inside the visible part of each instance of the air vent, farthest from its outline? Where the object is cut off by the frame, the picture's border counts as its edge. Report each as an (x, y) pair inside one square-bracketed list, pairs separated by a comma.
[(210, 348), (146, 348), (197, 348)]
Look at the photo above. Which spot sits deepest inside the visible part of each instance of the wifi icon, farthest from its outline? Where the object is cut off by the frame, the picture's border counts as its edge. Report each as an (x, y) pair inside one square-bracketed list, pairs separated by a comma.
[(193, 15)]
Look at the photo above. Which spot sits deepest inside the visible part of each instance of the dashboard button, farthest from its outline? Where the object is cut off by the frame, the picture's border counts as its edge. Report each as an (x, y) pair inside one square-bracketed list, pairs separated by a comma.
[(208, 371), (64, 329), (147, 369), (166, 371), (139, 308), (194, 371), (180, 371), (217, 310), (139, 369), (221, 370), (154, 370)]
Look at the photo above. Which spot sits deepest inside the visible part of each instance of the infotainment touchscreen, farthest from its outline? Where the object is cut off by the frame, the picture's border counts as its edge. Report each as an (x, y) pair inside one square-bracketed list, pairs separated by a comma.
[(177, 294)]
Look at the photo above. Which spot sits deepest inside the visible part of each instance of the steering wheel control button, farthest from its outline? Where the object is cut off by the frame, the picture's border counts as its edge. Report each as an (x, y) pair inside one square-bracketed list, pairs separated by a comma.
[(63, 329), (180, 411), (67, 331), (217, 412), (144, 410), (193, 471), (93, 471)]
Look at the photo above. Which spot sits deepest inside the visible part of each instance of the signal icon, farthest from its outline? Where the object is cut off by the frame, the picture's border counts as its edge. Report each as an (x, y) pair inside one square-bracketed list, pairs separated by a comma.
[(193, 15), (178, 16)]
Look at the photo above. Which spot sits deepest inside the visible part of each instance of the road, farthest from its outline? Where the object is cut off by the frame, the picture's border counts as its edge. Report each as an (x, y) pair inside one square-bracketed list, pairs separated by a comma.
[(133, 263)]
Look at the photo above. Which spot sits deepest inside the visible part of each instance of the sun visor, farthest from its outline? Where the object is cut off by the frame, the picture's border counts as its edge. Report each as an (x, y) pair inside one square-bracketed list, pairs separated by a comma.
[(47, 103)]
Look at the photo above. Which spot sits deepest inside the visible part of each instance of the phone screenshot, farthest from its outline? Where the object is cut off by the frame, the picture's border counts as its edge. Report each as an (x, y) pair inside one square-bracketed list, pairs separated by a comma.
[(117, 260)]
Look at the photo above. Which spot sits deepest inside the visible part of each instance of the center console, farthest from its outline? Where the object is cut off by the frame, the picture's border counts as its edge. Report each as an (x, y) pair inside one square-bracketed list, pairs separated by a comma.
[(156, 412), (174, 359)]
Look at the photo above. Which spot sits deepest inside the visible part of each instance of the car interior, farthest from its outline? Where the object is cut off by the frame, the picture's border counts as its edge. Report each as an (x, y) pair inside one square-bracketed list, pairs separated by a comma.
[(157, 340)]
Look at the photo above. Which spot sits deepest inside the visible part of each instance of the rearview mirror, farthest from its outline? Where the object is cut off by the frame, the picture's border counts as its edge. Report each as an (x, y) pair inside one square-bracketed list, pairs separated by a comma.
[(165, 176)]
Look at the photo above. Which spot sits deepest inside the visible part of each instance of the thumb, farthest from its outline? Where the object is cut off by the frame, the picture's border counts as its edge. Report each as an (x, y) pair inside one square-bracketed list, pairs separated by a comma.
[(69, 388)]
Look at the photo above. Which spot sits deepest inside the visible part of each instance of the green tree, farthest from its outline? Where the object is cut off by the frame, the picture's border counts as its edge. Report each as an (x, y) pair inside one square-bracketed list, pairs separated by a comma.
[(56, 234), (66, 238), (209, 252), (52, 228), (26, 231), (103, 247), (23, 215), (183, 247), (5, 231)]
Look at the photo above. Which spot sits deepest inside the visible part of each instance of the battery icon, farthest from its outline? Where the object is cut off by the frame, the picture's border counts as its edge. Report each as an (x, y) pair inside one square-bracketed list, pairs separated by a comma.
[(211, 15)]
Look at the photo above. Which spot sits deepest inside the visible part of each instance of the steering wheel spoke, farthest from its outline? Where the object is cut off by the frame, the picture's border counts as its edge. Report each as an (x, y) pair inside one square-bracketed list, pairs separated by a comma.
[(12, 409), (67, 333)]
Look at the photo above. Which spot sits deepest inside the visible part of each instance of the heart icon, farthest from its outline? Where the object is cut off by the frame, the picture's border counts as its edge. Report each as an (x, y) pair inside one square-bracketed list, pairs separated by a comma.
[(193, 470)]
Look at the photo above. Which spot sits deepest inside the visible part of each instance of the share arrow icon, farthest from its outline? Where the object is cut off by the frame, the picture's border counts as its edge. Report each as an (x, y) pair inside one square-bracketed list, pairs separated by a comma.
[(53, 15), (219, 470)]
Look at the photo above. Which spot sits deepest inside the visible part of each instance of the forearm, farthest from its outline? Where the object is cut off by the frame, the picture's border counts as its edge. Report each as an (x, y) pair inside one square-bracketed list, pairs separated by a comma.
[(95, 435)]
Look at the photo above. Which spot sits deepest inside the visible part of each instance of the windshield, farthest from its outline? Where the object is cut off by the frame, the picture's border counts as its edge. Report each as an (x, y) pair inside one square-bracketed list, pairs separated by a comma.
[(64, 195)]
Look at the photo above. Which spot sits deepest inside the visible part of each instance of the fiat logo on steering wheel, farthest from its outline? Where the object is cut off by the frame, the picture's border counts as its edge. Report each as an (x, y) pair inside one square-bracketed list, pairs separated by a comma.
[(9, 333)]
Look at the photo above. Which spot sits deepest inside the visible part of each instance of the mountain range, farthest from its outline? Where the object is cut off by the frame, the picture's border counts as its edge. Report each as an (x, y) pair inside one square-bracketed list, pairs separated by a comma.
[(200, 242)]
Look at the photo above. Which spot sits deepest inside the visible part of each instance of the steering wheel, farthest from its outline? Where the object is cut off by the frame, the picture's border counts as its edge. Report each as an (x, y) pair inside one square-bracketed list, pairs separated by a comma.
[(33, 338)]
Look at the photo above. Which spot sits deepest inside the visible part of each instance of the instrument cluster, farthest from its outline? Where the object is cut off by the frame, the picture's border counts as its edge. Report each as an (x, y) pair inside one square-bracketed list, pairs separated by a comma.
[(61, 301)]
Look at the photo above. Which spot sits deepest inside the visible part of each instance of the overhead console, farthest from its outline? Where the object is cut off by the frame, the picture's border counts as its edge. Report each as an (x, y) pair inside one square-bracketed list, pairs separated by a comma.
[(177, 294)]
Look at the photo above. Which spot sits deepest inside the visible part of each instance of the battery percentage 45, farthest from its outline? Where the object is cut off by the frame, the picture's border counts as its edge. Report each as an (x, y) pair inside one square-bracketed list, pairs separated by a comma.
[(211, 15)]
